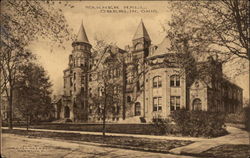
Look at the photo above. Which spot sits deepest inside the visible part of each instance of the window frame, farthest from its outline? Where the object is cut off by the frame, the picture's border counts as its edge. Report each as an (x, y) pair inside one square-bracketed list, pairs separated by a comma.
[(157, 82), (175, 81), (175, 103), (157, 104)]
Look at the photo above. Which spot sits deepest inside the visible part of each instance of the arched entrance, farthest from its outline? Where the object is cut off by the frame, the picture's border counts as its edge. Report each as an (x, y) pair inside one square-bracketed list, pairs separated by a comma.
[(197, 105), (137, 109), (66, 112)]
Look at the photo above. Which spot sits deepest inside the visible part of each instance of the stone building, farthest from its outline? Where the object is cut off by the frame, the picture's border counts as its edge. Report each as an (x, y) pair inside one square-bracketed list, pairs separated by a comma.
[(152, 84)]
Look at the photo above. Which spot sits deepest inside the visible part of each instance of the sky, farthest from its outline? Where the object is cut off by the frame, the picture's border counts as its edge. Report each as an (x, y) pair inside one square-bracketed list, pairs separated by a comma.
[(102, 20)]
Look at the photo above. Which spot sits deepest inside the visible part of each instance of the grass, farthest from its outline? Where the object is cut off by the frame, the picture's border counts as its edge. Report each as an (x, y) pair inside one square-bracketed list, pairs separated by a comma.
[(156, 145), (227, 151), (144, 129)]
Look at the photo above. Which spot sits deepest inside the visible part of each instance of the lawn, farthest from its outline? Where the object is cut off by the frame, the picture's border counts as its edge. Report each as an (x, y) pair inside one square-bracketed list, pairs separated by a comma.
[(227, 151), (147, 144), (145, 129)]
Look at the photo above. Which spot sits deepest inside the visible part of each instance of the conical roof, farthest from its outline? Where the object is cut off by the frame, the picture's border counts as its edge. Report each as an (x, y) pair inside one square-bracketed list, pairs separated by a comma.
[(82, 36), (141, 32)]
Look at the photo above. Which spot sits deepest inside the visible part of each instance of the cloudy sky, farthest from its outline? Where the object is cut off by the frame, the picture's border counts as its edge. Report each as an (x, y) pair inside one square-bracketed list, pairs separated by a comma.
[(111, 26)]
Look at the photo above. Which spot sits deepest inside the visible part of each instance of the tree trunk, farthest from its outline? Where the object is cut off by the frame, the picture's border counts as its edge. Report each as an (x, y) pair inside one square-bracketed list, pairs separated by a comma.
[(10, 99), (104, 112), (103, 125), (27, 122)]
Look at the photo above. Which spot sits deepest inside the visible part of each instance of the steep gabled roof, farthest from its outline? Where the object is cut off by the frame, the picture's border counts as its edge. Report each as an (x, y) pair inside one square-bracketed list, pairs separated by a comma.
[(141, 32), (82, 36)]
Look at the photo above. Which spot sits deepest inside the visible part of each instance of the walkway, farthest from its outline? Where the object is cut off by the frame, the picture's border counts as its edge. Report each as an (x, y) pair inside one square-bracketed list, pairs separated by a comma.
[(22, 147), (236, 136)]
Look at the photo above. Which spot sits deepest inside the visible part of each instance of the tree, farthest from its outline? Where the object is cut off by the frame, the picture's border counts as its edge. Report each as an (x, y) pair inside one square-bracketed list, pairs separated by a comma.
[(21, 23), (211, 28), (107, 99), (32, 93)]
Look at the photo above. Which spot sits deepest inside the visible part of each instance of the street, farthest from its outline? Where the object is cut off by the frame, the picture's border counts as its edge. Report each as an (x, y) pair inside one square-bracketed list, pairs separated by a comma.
[(19, 146)]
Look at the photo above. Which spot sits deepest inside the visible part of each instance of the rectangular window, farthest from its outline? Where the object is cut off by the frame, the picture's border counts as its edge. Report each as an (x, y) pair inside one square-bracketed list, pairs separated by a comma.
[(172, 103), (154, 84), (177, 82), (71, 82), (172, 83), (64, 85), (178, 103), (74, 87), (175, 103), (159, 83), (157, 103)]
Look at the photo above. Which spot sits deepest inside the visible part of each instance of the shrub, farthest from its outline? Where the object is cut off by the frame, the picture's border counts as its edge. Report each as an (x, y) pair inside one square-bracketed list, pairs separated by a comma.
[(247, 118), (163, 126), (199, 123), (238, 117)]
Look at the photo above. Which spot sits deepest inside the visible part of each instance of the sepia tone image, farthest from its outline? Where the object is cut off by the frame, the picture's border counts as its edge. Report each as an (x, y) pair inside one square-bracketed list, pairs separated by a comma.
[(90, 79)]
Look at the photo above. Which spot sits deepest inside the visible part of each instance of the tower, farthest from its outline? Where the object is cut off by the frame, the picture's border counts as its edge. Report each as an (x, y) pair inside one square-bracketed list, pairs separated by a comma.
[(78, 73), (141, 42)]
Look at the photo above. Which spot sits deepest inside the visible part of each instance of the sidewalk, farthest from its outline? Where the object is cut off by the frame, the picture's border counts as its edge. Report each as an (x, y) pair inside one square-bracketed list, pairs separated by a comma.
[(236, 136), (118, 134)]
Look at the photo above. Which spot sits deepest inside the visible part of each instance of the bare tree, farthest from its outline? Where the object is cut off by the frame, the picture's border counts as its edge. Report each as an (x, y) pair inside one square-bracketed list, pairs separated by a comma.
[(106, 99), (218, 26)]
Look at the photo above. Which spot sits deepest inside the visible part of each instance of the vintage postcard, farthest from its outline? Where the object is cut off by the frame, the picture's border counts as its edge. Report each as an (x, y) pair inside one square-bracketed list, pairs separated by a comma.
[(124, 79)]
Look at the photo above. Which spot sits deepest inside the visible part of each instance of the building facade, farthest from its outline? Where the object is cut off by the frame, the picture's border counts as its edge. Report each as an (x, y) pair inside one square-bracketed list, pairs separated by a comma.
[(151, 83)]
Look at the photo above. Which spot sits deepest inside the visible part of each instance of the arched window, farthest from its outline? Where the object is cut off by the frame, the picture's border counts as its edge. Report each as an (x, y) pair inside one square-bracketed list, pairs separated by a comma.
[(139, 46), (137, 109), (174, 81), (157, 82), (197, 105)]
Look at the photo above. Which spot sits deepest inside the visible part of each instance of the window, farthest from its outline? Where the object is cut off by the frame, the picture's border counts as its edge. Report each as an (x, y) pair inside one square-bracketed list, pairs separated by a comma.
[(137, 109), (128, 99), (74, 75), (157, 82), (197, 104), (90, 93), (175, 103), (90, 77), (71, 82), (64, 85), (157, 103), (139, 46), (174, 81), (74, 87)]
